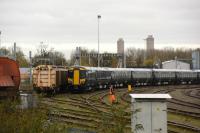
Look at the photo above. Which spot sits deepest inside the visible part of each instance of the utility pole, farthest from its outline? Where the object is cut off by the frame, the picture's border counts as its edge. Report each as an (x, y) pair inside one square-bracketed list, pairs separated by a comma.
[(0, 39), (124, 60), (14, 51), (30, 57), (89, 59), (79, 55), (98, 18)]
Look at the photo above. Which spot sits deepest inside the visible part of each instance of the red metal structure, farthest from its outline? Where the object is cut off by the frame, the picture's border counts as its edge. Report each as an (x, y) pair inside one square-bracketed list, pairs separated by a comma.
[(9, 77)]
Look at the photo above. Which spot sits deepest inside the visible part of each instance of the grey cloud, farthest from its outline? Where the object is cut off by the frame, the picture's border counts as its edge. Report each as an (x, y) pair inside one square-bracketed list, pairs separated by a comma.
[(76, 20)]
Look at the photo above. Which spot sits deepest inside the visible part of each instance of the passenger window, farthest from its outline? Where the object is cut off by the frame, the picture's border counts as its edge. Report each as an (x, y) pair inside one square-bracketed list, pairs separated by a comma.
[(70, 74)]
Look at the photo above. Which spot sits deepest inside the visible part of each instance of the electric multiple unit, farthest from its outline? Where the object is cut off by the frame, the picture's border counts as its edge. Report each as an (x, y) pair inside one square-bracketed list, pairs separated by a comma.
[(81, 77)]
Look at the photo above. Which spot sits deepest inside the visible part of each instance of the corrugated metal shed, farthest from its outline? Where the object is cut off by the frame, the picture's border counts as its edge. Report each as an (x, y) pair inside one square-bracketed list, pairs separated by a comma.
[(175, 64), (196, 59)]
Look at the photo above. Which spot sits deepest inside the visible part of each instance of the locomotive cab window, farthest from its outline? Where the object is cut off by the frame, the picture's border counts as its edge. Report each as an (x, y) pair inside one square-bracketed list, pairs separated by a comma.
[(70, 74), (82, 74)]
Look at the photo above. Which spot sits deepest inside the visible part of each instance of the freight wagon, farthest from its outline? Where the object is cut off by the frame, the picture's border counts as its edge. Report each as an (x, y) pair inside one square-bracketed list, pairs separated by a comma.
[(49, 78)]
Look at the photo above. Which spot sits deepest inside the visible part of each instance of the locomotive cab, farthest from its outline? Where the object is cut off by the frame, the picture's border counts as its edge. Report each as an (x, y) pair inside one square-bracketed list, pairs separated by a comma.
[(76, 78)]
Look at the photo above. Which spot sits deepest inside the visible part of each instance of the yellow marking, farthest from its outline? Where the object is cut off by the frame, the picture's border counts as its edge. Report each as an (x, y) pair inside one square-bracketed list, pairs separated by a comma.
[(129, 88), (76, 77), (82, 81)]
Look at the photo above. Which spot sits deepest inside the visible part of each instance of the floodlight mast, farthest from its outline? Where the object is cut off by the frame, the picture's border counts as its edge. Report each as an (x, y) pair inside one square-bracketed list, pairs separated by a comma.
[(0, 39), (98, 18)]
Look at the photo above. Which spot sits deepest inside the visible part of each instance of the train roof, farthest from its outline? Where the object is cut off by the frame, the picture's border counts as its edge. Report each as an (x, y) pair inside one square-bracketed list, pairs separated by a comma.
[(197, 70), (172, 70), (99, 68), (133, 69), (112, 69)]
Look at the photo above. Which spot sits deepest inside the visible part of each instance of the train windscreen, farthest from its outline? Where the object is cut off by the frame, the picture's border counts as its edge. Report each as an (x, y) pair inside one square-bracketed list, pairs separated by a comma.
[(82, 74), (70, 74)]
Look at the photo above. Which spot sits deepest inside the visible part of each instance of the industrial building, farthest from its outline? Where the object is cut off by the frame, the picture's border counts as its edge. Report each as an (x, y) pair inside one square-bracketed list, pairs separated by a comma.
[(175, 64), (149, 43), (120, 46), (120, 53), (196, 59)]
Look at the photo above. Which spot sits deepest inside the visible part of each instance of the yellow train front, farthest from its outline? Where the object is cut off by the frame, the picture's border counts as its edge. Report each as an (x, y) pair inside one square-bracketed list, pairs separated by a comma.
[(76, 78)]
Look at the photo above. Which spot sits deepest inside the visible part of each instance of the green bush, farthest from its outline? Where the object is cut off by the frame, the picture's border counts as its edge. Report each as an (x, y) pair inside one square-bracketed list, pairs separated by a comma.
[(15, 120)]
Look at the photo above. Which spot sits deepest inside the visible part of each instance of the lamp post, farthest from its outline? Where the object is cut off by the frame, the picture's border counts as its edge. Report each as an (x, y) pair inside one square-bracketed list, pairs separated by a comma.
[(98, 18), (30, 57)]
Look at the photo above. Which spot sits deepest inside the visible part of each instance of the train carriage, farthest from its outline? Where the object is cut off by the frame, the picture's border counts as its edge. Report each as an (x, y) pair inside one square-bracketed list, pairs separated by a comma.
[(103, 78), (186, 76), (98, 78), (89, 77), (120, 77), (164, 76), (198, 76), (49, 78), (141, 76)]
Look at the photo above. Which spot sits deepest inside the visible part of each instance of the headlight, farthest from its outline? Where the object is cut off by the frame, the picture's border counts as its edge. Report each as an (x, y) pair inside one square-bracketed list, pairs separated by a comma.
[(70, 81), (82, 81)]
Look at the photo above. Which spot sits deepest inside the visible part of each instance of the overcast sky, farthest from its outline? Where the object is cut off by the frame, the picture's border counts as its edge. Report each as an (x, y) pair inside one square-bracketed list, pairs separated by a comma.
[(65, 24)]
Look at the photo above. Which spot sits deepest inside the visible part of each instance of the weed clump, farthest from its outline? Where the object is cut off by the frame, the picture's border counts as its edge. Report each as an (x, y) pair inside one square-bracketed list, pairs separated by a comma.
[(16, 120), (116, 121)]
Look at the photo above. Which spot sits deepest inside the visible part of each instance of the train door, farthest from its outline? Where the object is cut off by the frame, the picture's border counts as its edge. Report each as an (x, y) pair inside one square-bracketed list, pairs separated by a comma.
[(76, 77)]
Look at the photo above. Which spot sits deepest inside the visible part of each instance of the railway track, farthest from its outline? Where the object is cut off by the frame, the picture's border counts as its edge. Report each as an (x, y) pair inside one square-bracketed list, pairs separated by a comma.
[(93, 105), (85, 102), (89, 107), (184, 126), (75, 104), (193, 93), (183, 103), (174, 100), (186, 113)]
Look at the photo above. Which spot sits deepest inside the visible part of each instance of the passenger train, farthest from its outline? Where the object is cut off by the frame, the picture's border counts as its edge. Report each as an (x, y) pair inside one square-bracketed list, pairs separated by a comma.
[(87, 78)]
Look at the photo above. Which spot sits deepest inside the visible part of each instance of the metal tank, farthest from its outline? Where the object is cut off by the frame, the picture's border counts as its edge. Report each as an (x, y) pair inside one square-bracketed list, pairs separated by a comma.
[(9, 77)]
